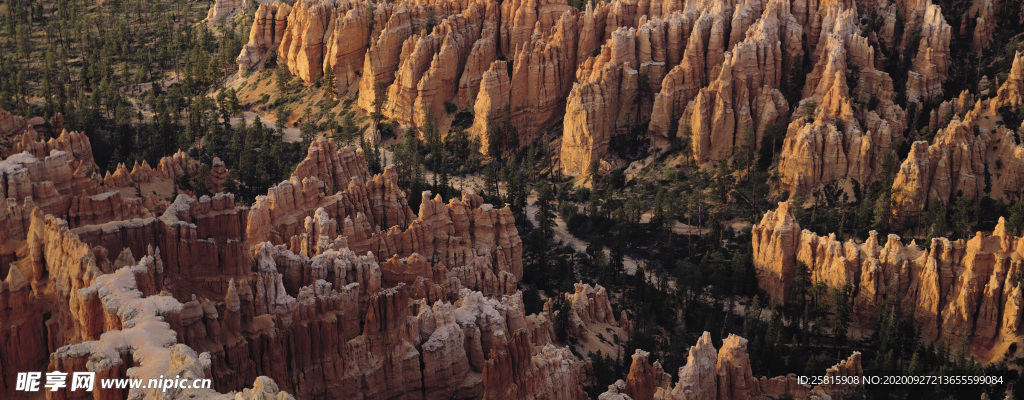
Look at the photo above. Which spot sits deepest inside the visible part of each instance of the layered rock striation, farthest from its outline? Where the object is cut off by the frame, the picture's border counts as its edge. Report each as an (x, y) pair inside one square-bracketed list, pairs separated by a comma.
[(268, 28), (603, 104), (738, 106), (329, 275), (222, 10), (931, 63)]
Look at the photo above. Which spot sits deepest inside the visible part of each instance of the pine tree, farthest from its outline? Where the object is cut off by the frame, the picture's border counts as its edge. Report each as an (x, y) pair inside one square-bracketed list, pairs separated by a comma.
[(491, 179), (282, 77), (545, 214), (964, 215), (799, 289), (935, 220), (232, 102), (915, 367), (201, 182), (840, 318), (883, 210), (380, 98), (330, 81), (1015, 223)]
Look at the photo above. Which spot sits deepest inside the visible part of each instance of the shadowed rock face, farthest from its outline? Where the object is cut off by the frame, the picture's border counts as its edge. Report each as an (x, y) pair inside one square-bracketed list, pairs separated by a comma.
[(952, 289), (717, 74), (329, 286)]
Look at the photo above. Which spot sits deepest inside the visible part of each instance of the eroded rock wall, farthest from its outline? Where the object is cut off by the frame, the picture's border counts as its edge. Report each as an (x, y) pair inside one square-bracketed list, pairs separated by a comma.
[(973, 154), (832, 136), (329, 275), (723, 374), (951, 288)]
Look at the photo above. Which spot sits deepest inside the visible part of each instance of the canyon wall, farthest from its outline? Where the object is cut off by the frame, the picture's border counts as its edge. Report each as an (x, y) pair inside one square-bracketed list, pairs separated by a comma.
[(222, 10), (954, 290), (719, 75), (931, 63), (330, 274), (976, 153), (744, 100)]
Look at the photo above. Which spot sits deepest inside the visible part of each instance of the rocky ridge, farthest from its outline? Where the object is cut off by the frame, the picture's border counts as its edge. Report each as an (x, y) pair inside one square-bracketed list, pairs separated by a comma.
[(225, 9), (950, 288), (352, 286), (717, 74), (976, 153), (663, 60), (830, 137), (723, 374)]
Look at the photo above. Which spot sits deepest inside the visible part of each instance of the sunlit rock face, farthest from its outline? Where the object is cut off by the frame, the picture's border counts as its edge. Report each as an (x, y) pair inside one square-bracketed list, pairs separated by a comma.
[(969, 155), (724, 374), (951, 288), (714, 73)]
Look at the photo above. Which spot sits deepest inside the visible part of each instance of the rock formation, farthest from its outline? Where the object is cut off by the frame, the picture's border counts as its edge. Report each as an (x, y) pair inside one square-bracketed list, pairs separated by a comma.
[(218, 173), (383, 56), (740, 104), (720, 73), (428, 74), (951, 288), (644, 379), (329, 286), (931, 64), (224, 9), (542, 76), (839, 131), (330, 274), (975, 154), (11, 124), (603, 104), (491, 99), (315, 29), (698, 30), (268, 28), (723, 374)]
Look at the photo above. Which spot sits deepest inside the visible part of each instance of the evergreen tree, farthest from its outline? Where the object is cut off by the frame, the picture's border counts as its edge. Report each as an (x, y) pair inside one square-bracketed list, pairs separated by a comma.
[(935, 220), (330, 81), (883, 210), (380, 98), (800, 288), (964, 215), (282, 77), (491, 179), (545, 214), (1015, 222), (201, 182), (841, 309)]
